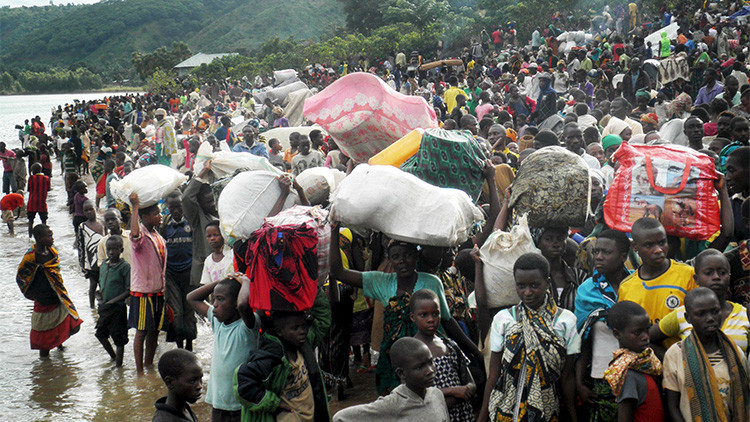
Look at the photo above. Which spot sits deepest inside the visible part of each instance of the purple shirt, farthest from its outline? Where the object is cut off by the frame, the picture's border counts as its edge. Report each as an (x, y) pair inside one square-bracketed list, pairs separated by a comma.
[(78, 201), (705, 96), (149, 262)]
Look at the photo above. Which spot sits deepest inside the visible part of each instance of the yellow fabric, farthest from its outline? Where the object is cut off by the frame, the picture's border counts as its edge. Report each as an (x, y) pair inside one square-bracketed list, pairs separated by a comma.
[(450, 97), (661, 295), (736, 326)]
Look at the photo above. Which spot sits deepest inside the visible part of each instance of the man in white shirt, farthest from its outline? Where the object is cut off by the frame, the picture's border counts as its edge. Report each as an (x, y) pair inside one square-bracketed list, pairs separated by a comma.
[(573, 138)]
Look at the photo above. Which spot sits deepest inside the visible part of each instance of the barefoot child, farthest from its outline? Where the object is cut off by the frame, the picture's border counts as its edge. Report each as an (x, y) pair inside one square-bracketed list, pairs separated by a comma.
[(705, 375), (88, 236), (80, 190), (114, 280), (55, 318), (415, 400), (452, 375), (220, 263), (147, 275), (183, 375), (235, 336), (281, 380), (632, 372), (534, 337)]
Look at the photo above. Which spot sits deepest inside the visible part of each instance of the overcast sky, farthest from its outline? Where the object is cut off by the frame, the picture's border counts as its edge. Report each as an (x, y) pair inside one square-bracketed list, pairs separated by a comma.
[(17, 3)]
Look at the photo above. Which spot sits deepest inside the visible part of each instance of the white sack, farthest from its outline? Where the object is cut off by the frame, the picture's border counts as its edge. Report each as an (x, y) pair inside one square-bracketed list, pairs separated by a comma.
[(151, 183), (246, 201), (391, 201)]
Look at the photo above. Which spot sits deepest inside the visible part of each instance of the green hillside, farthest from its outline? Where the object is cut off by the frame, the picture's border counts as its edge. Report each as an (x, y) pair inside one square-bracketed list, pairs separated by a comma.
[(106, 33)]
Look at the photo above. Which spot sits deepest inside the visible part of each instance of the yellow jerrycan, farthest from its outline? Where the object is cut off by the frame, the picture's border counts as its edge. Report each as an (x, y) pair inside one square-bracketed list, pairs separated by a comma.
[(399, 151)]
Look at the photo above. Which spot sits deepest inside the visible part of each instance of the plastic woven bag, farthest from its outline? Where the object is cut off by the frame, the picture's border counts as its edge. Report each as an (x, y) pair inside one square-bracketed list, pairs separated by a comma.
[(553, 187), (246, 200), (670, 183), (499, 253), (399, 204), (449, 159), (317, 182), (151, 183)]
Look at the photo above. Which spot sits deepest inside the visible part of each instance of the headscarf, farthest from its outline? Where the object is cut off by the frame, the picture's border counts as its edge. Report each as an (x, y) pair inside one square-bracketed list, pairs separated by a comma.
[(681, 104), (616, 126), (597, 174), (643, 93), (650, 118), (611, 140)]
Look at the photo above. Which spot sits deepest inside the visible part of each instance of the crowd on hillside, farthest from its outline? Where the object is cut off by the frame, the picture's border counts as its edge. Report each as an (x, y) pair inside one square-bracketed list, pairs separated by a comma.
[(612, 324)]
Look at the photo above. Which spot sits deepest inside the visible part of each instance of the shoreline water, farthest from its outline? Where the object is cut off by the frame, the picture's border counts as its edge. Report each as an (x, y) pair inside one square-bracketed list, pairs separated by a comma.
[(105, 89)]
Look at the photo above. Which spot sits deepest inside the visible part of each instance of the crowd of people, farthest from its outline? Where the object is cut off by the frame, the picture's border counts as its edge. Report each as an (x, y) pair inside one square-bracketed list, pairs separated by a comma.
[(640, 326)]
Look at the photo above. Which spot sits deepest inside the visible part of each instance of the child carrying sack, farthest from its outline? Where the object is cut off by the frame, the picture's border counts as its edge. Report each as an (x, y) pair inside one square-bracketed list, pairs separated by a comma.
[(283, 267), (670, 183), (553, 187), (499, 253), (449, 159)]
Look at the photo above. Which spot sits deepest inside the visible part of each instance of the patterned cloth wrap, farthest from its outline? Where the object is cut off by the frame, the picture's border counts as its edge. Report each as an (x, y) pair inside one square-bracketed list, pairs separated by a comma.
[(316, 218), (283, 266), (553, 186), (623, 360), (533, 357), (702, 388), (449, 159)]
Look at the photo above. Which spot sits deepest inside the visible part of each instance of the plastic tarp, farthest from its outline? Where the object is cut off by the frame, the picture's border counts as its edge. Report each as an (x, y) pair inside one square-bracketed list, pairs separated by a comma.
[(655, 37), (364, 115), (294, 105)]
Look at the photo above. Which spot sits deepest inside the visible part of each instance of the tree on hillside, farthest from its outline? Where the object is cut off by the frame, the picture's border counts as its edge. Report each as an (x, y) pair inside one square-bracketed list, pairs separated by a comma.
[(161, 58), (420, 13)]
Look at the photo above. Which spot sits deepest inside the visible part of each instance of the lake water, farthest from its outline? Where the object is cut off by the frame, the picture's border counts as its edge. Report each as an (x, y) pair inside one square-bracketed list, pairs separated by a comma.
[(79, 383)]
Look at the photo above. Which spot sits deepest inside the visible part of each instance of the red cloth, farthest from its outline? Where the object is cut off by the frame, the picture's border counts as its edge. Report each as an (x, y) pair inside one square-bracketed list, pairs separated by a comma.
[(48, 340), (101, 185), (38, 187), (11, 202), (283, 267), (652, 409)]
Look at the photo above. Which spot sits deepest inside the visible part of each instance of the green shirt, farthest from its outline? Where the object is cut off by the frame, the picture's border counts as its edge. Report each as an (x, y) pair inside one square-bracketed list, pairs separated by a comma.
[(383, 286), (114, 279), (472, 103)]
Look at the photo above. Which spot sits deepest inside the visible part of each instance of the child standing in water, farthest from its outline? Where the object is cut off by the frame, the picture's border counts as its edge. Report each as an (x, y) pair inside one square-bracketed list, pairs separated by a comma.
[(452, 374), (88, 236), (114, 279)]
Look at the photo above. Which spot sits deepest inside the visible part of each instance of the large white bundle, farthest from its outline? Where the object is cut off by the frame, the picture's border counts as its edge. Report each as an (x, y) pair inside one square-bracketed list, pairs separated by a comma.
[(391, 201), (151, 183), (499, 253), (294, 105), (226, 163), (279, 94), (280, 76), (579, 37), (246, 201), (317, 182)]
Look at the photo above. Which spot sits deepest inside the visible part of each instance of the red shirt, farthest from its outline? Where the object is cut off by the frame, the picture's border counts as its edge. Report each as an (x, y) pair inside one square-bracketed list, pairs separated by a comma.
[(38, 187), (11, 202)]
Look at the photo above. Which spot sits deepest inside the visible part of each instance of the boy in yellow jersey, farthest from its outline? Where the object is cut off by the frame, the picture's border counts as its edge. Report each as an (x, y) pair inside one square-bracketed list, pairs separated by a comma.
[(660, 284)]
